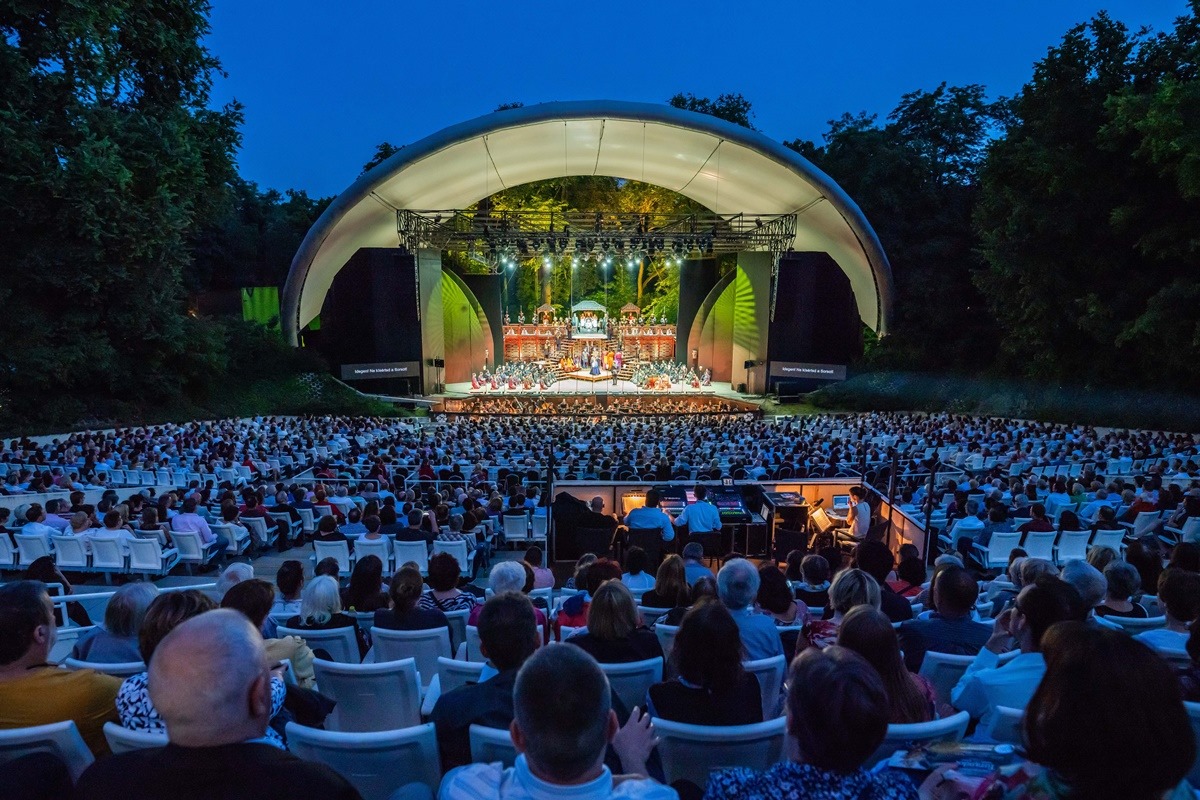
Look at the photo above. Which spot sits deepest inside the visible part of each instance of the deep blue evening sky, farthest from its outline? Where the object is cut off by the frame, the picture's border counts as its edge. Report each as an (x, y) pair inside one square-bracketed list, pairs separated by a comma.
[(324, 82)]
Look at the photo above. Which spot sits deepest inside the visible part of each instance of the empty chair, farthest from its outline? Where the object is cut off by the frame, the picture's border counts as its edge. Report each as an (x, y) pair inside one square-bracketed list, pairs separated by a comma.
[(412, 551), (949, 729), (30, 548), (340, 643), (69, 553), (259, 531), (943, 671), (378, 763), (238, 537), (470, 649), (489, 745), (8, 554), (339, 551), (770, 672), (307, 523), (516, 527), (383, 696), (1040, 544), (191, 551), (374, 547), (458, 626), (996, 553), (537, 528), (1072, 546), (1142, 522), (631, 681), (60, 738), (459, 551), (691, 752), (1006, 725), (424, 646), (121, 669), (107, 556), (1113, 539), (453, 673), (148, 557), (122, 740)]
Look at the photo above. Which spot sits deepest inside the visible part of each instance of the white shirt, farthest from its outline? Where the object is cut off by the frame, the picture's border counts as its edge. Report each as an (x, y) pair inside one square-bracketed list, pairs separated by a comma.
[(482, 781), (651, 519), (643, 580), (986, 684), (1163, 639), (700, 517)]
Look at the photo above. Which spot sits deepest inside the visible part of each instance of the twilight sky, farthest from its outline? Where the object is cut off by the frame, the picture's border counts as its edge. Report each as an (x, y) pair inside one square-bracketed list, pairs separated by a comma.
[(324, 82)]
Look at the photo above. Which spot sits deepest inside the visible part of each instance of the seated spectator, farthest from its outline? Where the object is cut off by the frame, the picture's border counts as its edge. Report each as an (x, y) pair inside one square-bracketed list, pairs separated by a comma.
[(986, 684), (328, 566), (949, 629), (1179, 599), (1123, 583), (231, 576), (693, 563), (1087, 580), (813, 589), (910, 575), (705, 588), (542, 577), (775, 597), (737, 584), (188, 521), (614, 632), (837, 718), (636, 561), (507, 576), (1185, 556), (405, 615), (850, 588), (35, 692), (574, 611), (1100, 556), (321, 610), (114, 529), (289, 580), (562, 723), (1069, 521), (875, 559), (211, 682), (670, 585), (365, 594), (354, 526), (254, 598), (1189, 676), (1038, 522), (44, 569), (576, 579), (1106, 723), (117, 641), (444, 594), (870, 634), (508, 636), (711, 688), (231, 517), (327, 531)]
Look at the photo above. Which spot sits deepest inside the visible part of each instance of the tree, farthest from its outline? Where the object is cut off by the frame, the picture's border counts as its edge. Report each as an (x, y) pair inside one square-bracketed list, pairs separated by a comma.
[(730, 107), (383, 151), (112, 158)]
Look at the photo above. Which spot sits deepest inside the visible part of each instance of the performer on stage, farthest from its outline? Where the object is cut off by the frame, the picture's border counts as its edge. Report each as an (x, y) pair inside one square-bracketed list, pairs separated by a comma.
[(595, 365), (474, 381), (707, 379)]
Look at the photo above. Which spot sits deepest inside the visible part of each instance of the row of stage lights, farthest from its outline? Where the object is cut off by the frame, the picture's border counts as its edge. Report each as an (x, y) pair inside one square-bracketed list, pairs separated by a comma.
[(508, 260)]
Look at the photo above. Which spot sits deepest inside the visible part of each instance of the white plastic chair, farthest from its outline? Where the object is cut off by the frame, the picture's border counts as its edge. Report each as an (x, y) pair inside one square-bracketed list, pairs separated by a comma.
[(60, 738), (1113, 539), (1134, 626), (340, 643), (458, 626), (566, 631), (8, 554), (307, 522), (30, 548), (374, 547), (651, 615), (949, 729), (1193, 712), (107, 556), (489, 745), (631, 681), (412, 551), (453, 673), (1006, 725), (691, 752), (340, 551), (120, 669), (999, 546), (375, 763), (424, 646), (383, 696), (262, 535), (943, 671), (191, 551), (123, 740), (239, 537), (471, 652), (1040, 544), (666, 637), (459, 551), (148, 557), (537, 528), (516, 527), (1072, 546), (770, 672), (1142, 522), (69, 553)]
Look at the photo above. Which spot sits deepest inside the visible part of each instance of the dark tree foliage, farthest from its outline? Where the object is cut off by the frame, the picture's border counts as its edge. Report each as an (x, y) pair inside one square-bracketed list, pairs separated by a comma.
[(383, 151), (112, 158), (729, 107)]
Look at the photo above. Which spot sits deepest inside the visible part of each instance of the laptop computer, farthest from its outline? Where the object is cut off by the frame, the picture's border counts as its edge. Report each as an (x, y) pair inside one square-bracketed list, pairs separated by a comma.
[(841, 502)]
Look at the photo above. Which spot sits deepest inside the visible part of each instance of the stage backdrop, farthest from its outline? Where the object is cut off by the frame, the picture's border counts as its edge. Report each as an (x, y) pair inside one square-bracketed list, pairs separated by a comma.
[(730, 327)]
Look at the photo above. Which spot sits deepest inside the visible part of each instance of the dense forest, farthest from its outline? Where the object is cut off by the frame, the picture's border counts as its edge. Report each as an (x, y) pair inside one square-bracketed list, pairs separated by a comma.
[(1050, 236)]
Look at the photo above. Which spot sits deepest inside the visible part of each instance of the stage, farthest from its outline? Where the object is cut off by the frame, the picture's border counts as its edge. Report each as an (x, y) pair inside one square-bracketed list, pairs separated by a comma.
[(572, 385)]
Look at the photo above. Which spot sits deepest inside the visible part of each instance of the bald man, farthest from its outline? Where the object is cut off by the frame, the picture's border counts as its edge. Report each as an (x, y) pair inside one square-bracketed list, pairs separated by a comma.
[(210, 681)]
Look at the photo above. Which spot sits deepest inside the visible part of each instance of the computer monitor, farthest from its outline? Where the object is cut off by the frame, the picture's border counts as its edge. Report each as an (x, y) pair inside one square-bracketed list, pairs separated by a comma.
[(841, 501)]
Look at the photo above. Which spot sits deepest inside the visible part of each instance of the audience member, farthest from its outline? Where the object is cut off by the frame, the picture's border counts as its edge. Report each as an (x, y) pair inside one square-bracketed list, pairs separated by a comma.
[(738, 583), (950, 629), (637, 562), (813, 589), (574, 611), (117, 641), (1122, 582), (542, 577), (870, 634), (875, 559), (1087, 580), (404, 615), (670, 585), (693, 563), (321, 610), (444, 594), (614, 633), (210, 681), (289, 580), (1179, 599), (35, 692), (837, 712), (365, 594), (775, 597), (850, 588), (710, 687), (254, 599)]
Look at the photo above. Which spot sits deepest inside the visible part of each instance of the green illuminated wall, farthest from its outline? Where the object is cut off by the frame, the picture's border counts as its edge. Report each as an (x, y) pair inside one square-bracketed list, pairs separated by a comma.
[(731, 326), (261, 304), (466, 329)]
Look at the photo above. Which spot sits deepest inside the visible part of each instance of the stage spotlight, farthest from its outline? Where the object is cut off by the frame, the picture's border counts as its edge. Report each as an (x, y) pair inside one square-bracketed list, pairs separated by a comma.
[(546, 262), (574, 262)]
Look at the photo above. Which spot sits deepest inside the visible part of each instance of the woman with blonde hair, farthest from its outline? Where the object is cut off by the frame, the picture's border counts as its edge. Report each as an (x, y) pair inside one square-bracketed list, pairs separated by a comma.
[(850, 588), (670, 585), (614, 633)]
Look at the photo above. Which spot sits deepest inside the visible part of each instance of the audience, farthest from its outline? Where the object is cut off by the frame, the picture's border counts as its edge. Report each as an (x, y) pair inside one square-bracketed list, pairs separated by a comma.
[(738, 583), (321, 610), (837, 715), (254, 599), (35, 692), (693, 563), (950, 629), (562, 724), (710, 687), (405, 615), (542, 577), (365, 594), (670, 585), (289, 580), (117, 641), (1088, 581), (574, 611), (444, 594), (637, 562), (211, 682), (614, 633), (875, 559), (1179, 599), (813, 590), (1122, 582), (775, 597), (869, 633), (850, 588)]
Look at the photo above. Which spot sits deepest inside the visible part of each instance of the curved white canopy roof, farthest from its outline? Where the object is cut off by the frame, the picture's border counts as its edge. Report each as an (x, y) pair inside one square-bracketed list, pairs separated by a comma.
[(723, 166)]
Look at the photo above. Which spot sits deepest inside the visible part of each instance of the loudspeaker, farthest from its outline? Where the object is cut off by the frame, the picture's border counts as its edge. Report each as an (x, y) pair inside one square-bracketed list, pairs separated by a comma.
[(749, 364), (439, 362)]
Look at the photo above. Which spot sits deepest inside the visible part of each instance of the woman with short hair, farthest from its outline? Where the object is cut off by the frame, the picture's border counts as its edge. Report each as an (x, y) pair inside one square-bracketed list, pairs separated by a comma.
[(117, 641), (1123, 583), (711, 688), (850, 588), (321, 610), (444, 594), (614, 633)]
